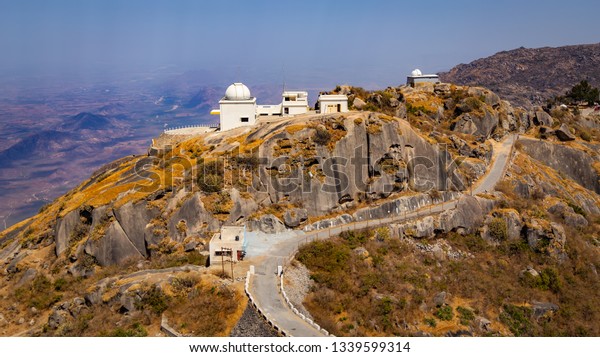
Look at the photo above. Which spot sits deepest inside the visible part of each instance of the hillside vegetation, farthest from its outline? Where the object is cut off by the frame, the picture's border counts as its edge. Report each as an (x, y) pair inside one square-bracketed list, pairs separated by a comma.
[(129, 246)]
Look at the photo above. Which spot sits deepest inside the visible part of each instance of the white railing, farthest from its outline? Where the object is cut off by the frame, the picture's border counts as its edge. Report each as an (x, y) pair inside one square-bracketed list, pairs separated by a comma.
[(257, 307), (210, 126), (298, 313)]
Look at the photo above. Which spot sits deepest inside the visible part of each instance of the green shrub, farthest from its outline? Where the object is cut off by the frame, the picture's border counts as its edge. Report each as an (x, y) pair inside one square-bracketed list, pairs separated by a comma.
[(249, 162), (328, 263), (549, 280), (355, 238), (498, 229), (585, 135), (444, 313), (40, 293), (135, 330), (517, 319), (465, 315), (153, 299), (60, 284), (430, 321)]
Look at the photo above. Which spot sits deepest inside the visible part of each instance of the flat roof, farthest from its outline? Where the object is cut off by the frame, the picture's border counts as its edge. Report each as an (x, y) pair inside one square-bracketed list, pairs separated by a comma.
[(333, 97), (228, 234), (425, 76)]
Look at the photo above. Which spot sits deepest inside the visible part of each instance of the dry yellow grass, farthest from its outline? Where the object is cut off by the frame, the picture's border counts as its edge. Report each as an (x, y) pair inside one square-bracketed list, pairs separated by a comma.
[(294, 128)]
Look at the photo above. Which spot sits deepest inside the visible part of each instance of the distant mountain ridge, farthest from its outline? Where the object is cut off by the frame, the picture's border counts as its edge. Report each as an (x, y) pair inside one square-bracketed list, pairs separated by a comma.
[(530, 76), (89, 121)]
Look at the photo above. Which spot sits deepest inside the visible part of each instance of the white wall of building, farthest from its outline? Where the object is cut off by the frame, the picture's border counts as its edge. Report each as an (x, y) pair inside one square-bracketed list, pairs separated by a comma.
[(333, 103), (427, 78), (268, 109), (226, 239), (235, 113), (294, 103)]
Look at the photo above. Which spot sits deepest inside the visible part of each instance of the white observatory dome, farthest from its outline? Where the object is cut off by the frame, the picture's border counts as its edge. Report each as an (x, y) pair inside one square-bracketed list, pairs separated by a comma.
[(237, 91), (416, 73)]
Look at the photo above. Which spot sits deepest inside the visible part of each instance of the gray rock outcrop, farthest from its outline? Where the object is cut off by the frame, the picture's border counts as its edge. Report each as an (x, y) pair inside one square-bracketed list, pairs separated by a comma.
[(572, 162), (114, 247), (549, 238), (133, 218), (466, 216), (512, 221), (267, 223), (568, 214), (295, 217), (440, 299), (358, 103), (543, 118), (542, 308), (64, 228), (330, 222), (563, 133), (195, 216), (476, 124)]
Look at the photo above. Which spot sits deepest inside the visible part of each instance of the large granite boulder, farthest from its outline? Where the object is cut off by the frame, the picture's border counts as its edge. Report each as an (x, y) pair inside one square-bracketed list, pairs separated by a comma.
[(112, 248), (295, 217), (267, 223), (64, 229), (563, 133), (543, 118), (467, 215), (575, 163), (509, 218), (548, 237), (568, 214), (133, 218), (196, 218), (477, 124)]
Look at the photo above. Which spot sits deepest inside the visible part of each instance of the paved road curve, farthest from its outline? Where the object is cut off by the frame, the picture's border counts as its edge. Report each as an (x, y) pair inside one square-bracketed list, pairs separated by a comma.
[(264, 283)]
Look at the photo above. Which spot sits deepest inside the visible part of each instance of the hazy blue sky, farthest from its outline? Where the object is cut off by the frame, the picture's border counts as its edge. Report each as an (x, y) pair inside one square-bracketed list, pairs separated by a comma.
[(370, 43)]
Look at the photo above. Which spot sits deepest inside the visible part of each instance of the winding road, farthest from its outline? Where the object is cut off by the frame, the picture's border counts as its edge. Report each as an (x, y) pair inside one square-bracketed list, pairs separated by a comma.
[(264, 285)]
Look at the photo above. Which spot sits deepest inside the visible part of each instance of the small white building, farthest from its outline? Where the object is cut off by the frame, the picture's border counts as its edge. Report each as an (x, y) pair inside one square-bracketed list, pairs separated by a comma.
[(228, 245), (416, 78), (237, 108), (294, 103), (333, 103)]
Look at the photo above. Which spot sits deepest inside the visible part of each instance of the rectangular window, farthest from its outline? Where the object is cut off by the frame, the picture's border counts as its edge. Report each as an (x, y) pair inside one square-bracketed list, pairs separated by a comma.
[(244, 120)]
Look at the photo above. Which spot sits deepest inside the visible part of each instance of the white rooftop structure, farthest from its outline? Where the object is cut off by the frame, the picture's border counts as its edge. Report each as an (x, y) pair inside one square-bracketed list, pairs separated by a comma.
[(229, 244), (294, 102), (237, 91), (333, 103), (417, 77), (237, 107)]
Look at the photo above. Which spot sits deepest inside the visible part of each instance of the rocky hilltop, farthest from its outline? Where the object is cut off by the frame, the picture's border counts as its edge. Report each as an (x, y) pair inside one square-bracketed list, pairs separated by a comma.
[(530, 76), (126, 249)]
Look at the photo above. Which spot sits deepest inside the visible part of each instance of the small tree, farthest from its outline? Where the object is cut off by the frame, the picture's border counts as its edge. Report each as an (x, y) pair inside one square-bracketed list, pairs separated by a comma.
[(583, 91)]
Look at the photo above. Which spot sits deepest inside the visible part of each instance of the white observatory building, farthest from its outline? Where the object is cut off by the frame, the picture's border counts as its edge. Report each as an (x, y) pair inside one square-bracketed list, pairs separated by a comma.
[(417, 77), (237, 108)]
